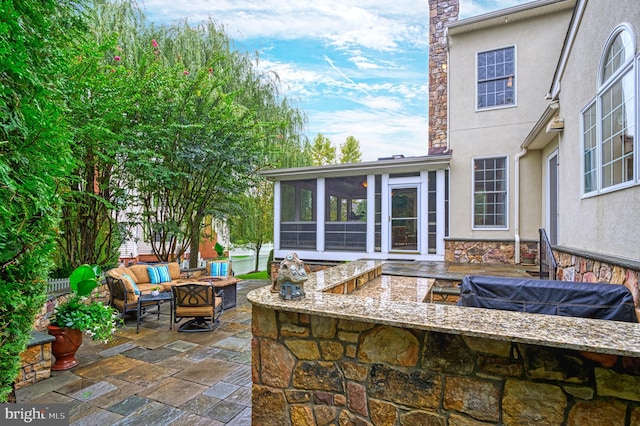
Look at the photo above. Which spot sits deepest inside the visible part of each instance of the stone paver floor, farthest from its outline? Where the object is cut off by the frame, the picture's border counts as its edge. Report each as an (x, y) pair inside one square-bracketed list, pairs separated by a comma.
[(158, 376)]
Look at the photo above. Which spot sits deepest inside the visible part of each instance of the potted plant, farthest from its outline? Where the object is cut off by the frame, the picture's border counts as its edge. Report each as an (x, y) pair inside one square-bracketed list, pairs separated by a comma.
[(155, 291), (529, 258), (78, 315)]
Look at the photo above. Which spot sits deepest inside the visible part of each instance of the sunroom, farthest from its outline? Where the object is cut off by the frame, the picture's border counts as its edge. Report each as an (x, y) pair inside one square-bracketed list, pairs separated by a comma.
[(393, 208)]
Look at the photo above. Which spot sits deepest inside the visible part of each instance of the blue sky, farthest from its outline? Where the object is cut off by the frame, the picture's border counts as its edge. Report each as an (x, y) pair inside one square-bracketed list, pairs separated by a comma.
[(356, 67)]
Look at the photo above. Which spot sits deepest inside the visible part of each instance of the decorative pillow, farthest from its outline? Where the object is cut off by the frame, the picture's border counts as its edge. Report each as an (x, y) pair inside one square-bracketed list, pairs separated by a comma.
[(154, 276), (163, 271), (130, 280), (219, 269)]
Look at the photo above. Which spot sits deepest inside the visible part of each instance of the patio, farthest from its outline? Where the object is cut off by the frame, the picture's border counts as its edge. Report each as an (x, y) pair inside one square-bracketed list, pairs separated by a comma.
[(158, 376), (162, 377)]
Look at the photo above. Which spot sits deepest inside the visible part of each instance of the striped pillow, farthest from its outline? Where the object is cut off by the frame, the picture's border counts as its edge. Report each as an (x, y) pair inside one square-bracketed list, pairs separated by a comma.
[(163, 271), (219, 269), (154, 276), (130, 280)]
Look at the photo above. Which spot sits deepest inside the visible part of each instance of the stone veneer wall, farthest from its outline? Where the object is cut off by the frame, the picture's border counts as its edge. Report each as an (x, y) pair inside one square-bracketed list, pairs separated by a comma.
[(313, 370), (35, 363), (571, 266), (485, 251), (441, 12)]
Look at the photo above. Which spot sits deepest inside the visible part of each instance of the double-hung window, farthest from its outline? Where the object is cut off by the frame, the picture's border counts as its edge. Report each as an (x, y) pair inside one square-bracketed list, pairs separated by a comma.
[(609, 127), (496, 78), (490, 193)]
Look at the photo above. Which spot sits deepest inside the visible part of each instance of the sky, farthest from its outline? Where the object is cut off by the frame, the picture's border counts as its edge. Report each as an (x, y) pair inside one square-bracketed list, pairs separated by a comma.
[(355, 67)]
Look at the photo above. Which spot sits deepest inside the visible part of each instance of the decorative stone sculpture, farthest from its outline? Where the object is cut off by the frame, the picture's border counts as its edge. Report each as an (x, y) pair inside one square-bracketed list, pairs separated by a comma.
[(291, 276)]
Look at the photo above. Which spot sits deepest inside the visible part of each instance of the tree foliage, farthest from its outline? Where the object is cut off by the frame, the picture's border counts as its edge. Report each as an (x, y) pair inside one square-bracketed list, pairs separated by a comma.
[(254, 227), (322, 151), (186, 122), (100, 96), (35, 36), (350, 151)]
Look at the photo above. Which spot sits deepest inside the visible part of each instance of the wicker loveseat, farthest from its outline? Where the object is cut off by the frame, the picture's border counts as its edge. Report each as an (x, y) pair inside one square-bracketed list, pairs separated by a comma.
[(127, 283)]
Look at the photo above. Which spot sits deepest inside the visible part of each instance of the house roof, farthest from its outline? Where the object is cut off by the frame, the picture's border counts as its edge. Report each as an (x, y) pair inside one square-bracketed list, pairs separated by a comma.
[(509, 15), (554, 91), (390, 165)]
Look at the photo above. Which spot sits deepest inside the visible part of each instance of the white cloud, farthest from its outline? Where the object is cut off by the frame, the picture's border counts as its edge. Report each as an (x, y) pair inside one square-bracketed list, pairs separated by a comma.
[(381, 134), (368, 86), (381, 25)]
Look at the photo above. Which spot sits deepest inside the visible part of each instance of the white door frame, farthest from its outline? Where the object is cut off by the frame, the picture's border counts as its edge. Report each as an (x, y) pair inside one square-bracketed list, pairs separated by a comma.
[(552, 205)]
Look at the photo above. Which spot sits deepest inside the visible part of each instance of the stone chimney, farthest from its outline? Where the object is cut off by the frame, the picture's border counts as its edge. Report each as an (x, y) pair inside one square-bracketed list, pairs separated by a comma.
[(441, 12)]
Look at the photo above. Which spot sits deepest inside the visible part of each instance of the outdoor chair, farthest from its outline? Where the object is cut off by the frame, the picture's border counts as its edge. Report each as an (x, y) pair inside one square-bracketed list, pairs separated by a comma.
[(200, 302), (220, 274), (123, 300)]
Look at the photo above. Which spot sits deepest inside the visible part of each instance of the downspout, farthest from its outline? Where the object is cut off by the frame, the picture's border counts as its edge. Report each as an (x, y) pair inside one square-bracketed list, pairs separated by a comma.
[(446, 36), (516, 220)]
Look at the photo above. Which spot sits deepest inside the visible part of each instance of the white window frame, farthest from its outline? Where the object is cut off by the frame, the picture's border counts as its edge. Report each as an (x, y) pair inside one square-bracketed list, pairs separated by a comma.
[(630, 67), (515, 80), (506, 198)]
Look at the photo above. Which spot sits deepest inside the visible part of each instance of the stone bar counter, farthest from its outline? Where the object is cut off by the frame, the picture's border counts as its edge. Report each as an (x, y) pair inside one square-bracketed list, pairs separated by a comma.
[(337, 358)]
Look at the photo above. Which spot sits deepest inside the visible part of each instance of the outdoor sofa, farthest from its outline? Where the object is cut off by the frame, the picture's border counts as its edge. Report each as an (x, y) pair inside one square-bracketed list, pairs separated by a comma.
[(126, 284)]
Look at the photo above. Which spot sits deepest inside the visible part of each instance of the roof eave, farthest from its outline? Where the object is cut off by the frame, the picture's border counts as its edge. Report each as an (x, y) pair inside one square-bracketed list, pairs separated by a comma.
[(509, 15), (401, 165)]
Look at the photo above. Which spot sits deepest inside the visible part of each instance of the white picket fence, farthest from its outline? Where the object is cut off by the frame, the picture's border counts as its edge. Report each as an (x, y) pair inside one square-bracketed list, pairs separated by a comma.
[(244, 265), (57, 284)]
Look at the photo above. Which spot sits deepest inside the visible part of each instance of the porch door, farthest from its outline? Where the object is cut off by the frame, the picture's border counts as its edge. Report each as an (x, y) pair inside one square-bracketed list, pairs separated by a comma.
[(404, 218), (552, 194)]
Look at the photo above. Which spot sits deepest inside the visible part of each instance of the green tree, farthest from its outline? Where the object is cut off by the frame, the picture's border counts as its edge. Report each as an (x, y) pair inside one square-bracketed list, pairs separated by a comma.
[(254, 227), (197, 151), (101, 92), (183, 124), (350, 151), (322, 151), (35, 40)]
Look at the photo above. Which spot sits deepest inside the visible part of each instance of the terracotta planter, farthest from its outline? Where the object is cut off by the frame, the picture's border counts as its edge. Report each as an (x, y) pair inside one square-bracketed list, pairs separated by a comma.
[(64, 348)]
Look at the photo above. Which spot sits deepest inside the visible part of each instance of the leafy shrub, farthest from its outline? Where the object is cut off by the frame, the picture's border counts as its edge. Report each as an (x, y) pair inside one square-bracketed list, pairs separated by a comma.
[(94, 318)]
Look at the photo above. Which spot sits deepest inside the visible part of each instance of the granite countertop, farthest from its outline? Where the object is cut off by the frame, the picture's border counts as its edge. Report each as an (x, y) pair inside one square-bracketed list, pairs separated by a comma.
[(600, 336)]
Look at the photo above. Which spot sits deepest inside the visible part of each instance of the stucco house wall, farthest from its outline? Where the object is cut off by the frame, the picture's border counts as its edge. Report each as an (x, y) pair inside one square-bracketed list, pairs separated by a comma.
[(606, 223), (538, 37)]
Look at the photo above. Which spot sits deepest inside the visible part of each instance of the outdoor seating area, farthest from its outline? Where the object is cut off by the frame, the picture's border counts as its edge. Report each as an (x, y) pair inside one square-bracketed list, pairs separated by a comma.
[(220, 275), (140, 291), (159, 375)]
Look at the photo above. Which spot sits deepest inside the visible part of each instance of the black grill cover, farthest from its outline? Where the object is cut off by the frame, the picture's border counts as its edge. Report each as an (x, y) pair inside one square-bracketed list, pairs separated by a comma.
[(566, 298)]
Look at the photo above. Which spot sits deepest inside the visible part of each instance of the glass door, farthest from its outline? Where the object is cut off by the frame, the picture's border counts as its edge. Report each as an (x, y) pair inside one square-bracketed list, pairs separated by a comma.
[(403, 218)]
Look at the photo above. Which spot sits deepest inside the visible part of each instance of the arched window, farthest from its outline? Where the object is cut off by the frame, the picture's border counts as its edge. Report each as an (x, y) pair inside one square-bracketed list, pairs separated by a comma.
[(609, 123)]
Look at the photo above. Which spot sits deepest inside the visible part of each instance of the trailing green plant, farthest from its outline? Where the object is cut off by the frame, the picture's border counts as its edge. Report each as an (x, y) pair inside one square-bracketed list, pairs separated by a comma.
[(219, 249), (79, 312)]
